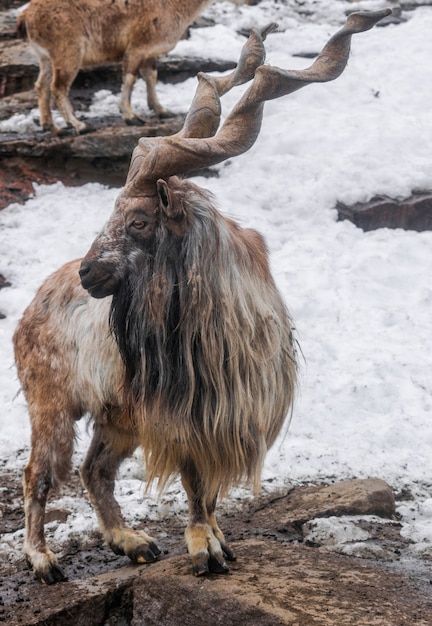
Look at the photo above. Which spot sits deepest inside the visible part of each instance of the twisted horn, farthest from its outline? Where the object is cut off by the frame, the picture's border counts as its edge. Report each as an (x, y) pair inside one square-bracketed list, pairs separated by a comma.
[(203, 117), (197, 146)]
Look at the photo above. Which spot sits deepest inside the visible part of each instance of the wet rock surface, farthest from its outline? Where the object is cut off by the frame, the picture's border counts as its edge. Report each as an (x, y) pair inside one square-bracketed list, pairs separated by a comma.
[(280, 577), (101, 155)]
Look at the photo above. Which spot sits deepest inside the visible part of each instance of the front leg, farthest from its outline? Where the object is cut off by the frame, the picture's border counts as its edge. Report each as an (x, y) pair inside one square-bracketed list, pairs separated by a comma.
[(108, 449), (227, 551), (204, 539)]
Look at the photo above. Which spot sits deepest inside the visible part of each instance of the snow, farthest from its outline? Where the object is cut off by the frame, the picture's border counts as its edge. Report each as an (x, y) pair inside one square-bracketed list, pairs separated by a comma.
[(361, 301)]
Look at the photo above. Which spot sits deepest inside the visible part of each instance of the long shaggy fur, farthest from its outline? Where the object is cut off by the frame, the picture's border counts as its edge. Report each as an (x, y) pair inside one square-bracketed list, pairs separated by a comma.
[(208, 348)]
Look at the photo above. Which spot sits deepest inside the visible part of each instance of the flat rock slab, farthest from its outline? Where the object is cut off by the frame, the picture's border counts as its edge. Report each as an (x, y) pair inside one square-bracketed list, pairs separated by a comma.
[(371, 496), (108, 138), (101, 155), (414, 213), (270, 585), (278, 585)]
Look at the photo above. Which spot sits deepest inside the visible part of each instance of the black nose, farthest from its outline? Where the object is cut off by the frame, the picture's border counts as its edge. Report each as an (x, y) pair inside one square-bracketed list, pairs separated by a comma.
[(84, 269)]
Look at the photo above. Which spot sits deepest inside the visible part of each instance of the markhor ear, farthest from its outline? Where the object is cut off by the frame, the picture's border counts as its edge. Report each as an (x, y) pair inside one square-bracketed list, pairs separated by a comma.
[(167, 200)]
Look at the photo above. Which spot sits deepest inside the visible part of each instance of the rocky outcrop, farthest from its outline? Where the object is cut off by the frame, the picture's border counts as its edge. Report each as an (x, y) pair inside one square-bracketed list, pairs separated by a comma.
[(279, 579)]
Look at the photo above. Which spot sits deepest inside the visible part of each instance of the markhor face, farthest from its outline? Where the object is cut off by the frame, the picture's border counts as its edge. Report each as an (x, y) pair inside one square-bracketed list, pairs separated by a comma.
[(135, 227)]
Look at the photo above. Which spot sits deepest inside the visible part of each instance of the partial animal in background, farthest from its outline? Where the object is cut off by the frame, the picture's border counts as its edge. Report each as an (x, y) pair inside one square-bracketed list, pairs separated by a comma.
[(170, 333), (68, 35)]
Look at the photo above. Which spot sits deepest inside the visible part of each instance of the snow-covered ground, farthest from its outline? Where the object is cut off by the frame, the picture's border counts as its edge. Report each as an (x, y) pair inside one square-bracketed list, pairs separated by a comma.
[(362, 302)]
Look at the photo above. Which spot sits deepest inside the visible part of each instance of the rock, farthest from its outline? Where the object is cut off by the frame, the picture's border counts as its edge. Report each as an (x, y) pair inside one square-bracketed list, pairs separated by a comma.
[(355, 536), (273, 582), (16, 184), (106, 138), (4, 282), (229, 601), (101, 155), (270, 585), (414, 213), (371, 496)]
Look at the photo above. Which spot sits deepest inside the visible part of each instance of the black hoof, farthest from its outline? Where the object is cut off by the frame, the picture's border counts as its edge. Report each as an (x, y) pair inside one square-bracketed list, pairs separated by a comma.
[(228, 553), (54, 575), (164, 115), (217, 567), (201, 570), (135, 121), (145, 554), (154, 549)]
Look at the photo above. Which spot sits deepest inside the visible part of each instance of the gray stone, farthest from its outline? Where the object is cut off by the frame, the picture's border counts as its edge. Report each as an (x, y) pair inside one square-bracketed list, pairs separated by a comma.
[(414, 213), (370, 496)]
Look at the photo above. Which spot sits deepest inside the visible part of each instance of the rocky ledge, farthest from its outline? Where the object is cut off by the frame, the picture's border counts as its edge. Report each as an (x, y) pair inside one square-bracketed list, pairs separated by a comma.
[(327, 555)]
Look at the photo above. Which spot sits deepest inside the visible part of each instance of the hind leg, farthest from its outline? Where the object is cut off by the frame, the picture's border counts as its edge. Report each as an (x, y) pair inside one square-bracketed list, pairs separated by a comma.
[(108, 449), (132, 66), (50, 461), (148, 72), (204, 539), (130, 73), (63, 78), (43, 90)]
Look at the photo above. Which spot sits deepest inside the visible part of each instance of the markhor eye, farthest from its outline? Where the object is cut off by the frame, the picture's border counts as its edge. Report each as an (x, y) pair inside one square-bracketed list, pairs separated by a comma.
[(139, 224)]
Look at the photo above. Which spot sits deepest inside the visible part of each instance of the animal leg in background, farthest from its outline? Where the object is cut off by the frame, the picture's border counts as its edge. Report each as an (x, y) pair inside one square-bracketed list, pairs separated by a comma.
[(127, 113), (56, 77), (109, 447), (60, 87), (148, 72), (43, 90)]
